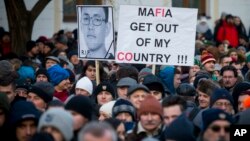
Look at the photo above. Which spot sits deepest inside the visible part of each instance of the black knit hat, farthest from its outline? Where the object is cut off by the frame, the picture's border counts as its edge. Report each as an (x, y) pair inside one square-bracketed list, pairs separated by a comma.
[(44, 90), (30, 44), (220, 94), (185, 89), (81, 104), (42, 71), (104, 86), (22, 110), (212, 114), (154, 83), (122, 105), (175, 131)]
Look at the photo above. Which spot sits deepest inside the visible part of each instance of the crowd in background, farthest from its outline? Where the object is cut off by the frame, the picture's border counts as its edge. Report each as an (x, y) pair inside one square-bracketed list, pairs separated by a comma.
[(49, 94)]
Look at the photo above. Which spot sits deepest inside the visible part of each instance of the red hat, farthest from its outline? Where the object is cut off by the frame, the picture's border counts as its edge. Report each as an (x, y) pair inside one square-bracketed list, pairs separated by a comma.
[(207, 57), (150, 105)]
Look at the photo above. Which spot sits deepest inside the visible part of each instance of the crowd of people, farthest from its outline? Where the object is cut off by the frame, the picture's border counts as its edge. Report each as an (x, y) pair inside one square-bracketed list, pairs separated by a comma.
[(49, 94)]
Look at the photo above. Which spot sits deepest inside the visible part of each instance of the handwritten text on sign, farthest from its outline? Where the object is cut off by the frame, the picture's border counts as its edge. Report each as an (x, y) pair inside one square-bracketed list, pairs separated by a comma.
[(156, 35)]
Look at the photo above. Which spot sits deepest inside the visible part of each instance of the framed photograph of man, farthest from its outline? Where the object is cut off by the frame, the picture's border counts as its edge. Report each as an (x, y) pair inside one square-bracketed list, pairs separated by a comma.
[(95, 32)]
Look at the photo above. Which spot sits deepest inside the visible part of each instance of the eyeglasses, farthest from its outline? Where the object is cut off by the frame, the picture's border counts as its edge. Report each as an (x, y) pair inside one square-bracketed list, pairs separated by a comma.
[(219, 104), (216, 128), (96, 20)]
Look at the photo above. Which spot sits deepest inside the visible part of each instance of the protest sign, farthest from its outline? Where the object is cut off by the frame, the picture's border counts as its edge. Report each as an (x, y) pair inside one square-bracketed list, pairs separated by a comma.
[(156, 35)]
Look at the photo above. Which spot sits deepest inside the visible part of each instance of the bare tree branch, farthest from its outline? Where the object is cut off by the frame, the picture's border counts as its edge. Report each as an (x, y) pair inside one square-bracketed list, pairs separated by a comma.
[(38, 8)]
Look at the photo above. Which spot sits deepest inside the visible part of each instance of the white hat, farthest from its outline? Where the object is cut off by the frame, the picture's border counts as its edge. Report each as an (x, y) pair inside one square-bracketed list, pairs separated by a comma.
[(107, 107), (86, 84)]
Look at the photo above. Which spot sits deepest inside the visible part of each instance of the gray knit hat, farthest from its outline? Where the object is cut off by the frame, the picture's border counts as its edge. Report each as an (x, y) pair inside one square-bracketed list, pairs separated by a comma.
[(60, 119)]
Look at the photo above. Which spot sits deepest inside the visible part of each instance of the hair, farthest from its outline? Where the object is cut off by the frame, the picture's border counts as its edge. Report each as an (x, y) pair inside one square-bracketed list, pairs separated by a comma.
[(127, 71), (174, 100), (222, 57), (229, 68), (207, 86), (106, 12), (103, 74), (97, 129)]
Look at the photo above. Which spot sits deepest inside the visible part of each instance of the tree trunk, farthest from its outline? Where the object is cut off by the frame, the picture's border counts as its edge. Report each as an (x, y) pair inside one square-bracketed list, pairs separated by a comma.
[(21, 22)]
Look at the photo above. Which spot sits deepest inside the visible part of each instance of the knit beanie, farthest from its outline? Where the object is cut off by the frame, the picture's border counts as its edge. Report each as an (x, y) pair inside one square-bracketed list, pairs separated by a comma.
[(60, 119), (144, 72), (122, 106), (42, 71), (44, 90), (5, 68), (150, 105), (153, 83), (57, 74), (197, 62), (81, 104), (176, 132), (186, 89), (107, 107), (71, 53), (211, 115), (42, 39), (29, 45), (22, 110), (221, 93), (104, 86), (199, 77), (86, 84), (207, 57), (26, 72)]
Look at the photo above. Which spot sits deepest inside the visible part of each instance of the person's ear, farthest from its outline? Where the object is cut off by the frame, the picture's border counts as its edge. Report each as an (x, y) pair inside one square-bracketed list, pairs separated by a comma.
[(108, 28)]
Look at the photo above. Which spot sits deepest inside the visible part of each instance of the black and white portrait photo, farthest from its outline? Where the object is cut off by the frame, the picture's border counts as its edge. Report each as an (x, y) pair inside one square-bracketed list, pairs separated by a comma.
[(96, 32)]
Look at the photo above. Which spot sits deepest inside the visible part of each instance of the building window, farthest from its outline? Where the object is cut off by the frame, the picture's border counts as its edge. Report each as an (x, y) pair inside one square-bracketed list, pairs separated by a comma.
[(200, 4)]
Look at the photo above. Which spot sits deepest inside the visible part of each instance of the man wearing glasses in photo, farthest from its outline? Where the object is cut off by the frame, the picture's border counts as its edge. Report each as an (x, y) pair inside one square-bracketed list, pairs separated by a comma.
[(96, 27)]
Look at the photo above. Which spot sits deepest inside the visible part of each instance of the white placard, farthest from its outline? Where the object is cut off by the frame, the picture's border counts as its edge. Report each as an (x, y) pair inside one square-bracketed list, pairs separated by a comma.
[(156, 35)]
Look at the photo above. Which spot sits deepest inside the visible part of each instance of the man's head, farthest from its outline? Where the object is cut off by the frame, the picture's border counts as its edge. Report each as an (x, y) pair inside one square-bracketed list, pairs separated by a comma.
[(57, 122), (123, 85), (150, 114), (23, 119), (155, 86), (136, 94), (124, 110), (225, 60), (216, 125), (81, 107), (208, 61), (222, 99), (84, 86), (104, 93), (229, 76), (95, 26), (40, 94), (97, 131), (172, 106)]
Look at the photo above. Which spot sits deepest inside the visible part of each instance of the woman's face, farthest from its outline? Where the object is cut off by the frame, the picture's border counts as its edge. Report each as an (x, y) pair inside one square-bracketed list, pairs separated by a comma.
[(91, 72)]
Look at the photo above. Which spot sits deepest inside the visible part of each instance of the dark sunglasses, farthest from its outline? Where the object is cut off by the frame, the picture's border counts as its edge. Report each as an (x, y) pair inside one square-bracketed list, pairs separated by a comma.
[(216, 128)]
